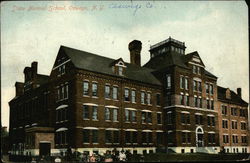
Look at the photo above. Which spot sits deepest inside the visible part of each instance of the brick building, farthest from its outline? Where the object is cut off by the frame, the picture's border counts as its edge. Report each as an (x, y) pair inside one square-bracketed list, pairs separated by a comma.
[(93, 103)]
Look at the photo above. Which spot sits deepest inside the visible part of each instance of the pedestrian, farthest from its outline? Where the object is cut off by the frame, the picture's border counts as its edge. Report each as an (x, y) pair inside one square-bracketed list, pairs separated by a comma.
[(122, 156), (85, 157), (92, 158), (108, 157)]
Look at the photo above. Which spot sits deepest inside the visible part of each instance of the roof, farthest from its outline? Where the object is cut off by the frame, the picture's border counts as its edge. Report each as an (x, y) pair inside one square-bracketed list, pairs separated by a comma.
[(235, 98), (172, 58), (96, 63), (42, 79), (165, 60)]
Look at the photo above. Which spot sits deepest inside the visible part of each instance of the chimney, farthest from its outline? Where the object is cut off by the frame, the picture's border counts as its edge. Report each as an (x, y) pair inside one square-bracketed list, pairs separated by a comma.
[(19, 88), (135, 52), (239, 91), (34, 69)]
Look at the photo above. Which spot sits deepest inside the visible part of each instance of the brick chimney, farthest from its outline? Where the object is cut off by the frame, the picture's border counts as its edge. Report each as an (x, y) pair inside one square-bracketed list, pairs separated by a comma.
[(34, 69), (135, 52), (239, 91), (19, 88)]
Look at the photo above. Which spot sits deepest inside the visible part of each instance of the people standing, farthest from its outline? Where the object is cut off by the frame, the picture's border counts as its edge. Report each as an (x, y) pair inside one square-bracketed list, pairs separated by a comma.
[(122, 156)]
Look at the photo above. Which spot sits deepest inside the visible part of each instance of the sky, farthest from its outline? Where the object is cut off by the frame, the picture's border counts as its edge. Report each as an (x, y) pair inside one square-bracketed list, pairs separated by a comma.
[(34, 31)]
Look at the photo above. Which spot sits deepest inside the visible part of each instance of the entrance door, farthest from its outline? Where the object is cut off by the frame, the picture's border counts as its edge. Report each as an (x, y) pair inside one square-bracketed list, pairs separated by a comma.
[(200, 140), (44, 149), (199, 137)]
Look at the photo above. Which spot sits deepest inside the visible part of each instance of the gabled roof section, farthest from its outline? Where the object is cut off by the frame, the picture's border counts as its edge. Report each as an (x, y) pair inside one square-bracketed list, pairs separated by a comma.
[(235, 98), (100, 64), (118, 62), (193, 57)]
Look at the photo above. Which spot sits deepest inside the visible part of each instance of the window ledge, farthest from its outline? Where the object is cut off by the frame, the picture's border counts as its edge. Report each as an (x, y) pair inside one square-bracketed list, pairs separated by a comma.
[(95, 97), (86, 96)]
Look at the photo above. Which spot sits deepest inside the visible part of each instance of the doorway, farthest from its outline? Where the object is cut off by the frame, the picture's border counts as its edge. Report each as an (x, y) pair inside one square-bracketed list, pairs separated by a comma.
[(44, 148), (199, 137)]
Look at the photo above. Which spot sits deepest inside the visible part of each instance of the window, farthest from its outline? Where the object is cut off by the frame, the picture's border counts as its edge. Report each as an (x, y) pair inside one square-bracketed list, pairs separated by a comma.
[(234, 111), (196, 101), (159, 137), (143, 117), (182, 82), (146, 117), (225, 139), (185, 118), (120, 69), (208, 104), (243, 112), (169, 118), (207, 88), (107, 114), (116, 136), (168, 100), (126, 94), (235, 139), (211, 89), (158, 99), (133, 96), (168, 84), (94, 113), (224, 110), (149, 116), (61, 114), (148, 98), (62, 92), (199, 70), (131, 137), (182, 100), (115, 93), (243, 139), (94, 89), (199, 86), (195, 85), (146, 137), (186, 137), (159, 118), (198, 119), (85, 112), (234, 124), (90, 136), (212, 105), (85, 88), (108, 136), (210, 121), (61, 70), (133, 116), (142, 97), (211, 138), (86, 136), (200, 102), (187, 100), (94, 136), (127, 115), (224, 124), (111, 136), (194, 69), (186, 83), (61, 137), (115, 115), (243, 126), (107, 91)]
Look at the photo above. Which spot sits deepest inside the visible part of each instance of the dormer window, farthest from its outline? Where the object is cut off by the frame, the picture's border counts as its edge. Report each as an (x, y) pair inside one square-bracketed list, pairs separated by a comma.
[(119, 67)]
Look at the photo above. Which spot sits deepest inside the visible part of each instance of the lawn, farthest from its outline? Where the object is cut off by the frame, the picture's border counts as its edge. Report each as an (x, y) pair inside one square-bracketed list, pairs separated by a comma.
[(163, 157)]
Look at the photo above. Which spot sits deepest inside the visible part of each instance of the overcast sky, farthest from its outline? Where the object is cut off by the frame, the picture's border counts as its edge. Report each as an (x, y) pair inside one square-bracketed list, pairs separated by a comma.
[(34, 31)]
